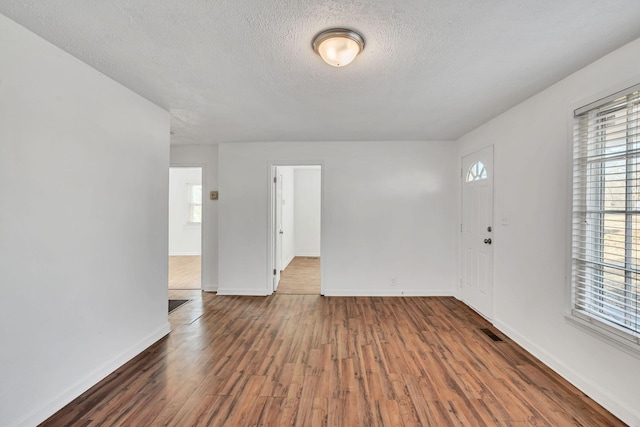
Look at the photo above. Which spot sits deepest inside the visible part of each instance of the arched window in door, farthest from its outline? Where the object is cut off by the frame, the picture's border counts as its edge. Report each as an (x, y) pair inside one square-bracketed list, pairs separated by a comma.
[(476, 172)]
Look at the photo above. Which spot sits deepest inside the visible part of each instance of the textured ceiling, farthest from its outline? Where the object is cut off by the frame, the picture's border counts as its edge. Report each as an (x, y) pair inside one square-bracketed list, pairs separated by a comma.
[(244, 70)]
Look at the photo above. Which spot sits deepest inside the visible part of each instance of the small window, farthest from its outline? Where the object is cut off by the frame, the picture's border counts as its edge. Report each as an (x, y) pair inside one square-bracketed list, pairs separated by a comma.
[(476, 172), (195, 203)]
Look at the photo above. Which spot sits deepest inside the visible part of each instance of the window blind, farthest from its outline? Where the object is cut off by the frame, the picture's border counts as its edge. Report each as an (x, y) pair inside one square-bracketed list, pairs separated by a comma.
[(606, 213)]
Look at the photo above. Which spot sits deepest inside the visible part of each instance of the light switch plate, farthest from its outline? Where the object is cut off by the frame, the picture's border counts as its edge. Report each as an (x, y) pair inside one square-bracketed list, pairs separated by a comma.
[(213, 195)]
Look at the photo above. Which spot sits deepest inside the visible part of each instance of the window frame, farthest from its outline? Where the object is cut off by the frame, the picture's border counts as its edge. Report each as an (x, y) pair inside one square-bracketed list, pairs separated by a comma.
[(626, 340), (191, 204), (477, 172)]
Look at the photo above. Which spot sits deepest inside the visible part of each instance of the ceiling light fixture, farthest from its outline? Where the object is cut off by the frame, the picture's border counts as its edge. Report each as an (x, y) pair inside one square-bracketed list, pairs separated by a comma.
[(338, 46)]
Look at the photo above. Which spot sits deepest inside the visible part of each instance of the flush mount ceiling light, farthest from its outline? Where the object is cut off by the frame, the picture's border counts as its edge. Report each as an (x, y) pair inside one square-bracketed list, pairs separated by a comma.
[(338, 46)]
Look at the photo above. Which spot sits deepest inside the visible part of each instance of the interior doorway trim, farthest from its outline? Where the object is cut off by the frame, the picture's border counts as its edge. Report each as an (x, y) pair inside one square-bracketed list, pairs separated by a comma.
[(204, 243), (271, 196)]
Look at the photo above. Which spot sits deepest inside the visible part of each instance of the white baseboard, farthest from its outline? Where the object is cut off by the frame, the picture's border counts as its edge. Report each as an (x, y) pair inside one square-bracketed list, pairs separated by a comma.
[(631, 416), (244, 292), (45, 411), (386, 293), (210, 288), (184, 254), (287, 262), (314, 255)]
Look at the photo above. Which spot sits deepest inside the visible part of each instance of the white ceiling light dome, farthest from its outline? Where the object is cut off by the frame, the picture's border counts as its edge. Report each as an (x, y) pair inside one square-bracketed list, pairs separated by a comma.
[(338, 46)]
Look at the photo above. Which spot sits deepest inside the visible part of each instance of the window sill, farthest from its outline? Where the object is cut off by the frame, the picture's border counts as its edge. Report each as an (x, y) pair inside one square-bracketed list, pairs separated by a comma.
[(626, 342)]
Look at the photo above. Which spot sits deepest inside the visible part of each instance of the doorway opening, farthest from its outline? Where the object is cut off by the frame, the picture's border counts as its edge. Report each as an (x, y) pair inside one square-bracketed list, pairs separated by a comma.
[(296, 207), (185, 228)]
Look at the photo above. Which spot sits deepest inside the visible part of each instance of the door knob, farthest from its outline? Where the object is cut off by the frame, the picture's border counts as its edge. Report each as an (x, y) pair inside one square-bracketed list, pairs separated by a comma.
[(487, 241), (282, 232)]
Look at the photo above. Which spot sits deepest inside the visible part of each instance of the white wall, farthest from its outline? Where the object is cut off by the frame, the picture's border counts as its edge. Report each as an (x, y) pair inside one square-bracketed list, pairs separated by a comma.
[(184, 237), (307, 210), (386, 214), (288, 222), (83, 252), (532, 254), (205, 156)]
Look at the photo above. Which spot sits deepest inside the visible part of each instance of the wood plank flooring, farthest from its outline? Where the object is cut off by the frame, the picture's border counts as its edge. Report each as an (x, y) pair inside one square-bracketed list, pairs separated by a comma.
[(307, 360), (301, 277), (184, 272)]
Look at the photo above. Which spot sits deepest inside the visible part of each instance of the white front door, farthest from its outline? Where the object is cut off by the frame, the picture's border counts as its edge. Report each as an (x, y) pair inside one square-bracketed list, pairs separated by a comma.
[(477, 231), (277, 227)]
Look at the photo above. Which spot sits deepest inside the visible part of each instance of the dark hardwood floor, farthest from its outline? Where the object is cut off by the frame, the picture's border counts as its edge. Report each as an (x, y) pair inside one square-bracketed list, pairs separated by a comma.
[(307, 360)]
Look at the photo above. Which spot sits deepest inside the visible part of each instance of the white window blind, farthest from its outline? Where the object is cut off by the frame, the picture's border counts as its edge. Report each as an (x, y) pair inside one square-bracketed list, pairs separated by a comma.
[(606, 214)]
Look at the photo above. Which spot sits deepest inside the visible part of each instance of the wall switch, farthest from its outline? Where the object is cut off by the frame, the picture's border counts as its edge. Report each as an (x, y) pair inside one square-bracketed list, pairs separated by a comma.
[(504, 220), (213, 195)]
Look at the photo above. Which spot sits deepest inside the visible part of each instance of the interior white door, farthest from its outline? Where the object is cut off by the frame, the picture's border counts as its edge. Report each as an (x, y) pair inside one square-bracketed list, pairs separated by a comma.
[(277, 229), (279, 226), (477, 231)]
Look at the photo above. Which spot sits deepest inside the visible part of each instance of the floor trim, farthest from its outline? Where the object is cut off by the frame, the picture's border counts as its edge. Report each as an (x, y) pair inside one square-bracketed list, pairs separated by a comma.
[(243, 292), (592, 390), (45, 411), (386, 293)]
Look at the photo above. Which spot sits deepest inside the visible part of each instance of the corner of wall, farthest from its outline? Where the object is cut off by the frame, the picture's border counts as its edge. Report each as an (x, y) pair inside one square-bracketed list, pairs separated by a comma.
[(40, 414), (210, 288), (590, 388)]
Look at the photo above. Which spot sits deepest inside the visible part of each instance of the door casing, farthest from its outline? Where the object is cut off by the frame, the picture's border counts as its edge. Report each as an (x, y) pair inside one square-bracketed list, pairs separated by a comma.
[(272, 252)]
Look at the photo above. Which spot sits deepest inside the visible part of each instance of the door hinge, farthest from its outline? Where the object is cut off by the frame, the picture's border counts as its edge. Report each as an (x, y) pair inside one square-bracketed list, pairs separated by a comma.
[(274, 271), (275, 179)]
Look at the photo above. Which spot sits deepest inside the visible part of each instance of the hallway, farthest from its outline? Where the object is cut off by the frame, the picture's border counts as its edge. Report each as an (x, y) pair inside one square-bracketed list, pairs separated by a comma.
[(301, 277)]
